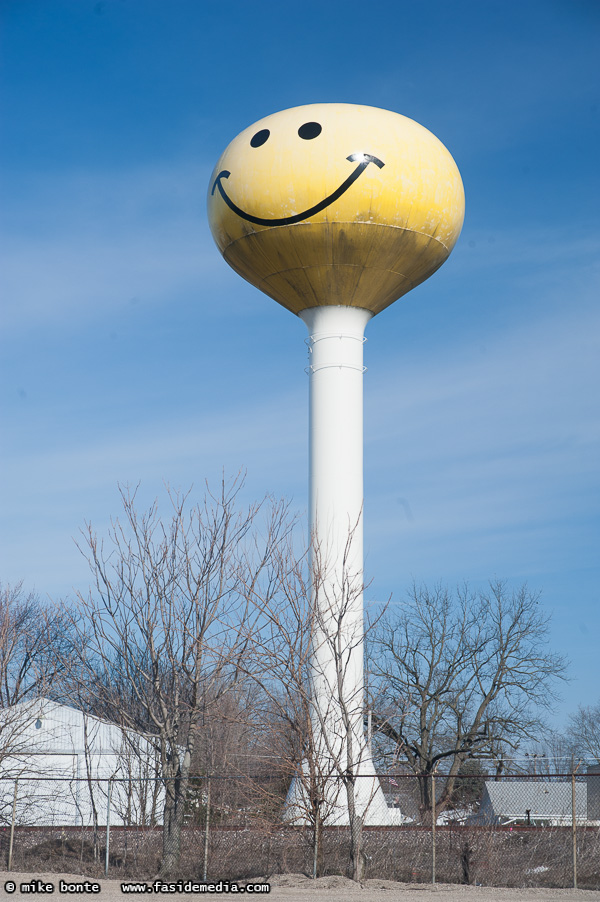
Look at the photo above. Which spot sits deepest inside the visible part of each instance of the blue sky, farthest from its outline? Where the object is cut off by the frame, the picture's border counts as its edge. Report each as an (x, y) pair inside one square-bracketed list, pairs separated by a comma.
[(130, 351)]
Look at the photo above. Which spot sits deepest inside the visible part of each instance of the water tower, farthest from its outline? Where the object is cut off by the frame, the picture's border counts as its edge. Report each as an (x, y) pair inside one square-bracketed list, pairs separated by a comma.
[(335, 211)]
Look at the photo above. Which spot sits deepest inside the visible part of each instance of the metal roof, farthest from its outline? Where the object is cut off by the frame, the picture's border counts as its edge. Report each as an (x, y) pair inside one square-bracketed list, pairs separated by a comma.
[(512, 798)]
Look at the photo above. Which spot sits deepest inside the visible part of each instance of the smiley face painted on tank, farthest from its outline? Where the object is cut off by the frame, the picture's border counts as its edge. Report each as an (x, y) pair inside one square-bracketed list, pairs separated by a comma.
[(304, 196), (297, 165), (307, 132)]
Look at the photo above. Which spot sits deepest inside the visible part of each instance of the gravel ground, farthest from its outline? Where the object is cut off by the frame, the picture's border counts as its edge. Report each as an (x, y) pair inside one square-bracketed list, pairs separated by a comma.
[(298, 888)]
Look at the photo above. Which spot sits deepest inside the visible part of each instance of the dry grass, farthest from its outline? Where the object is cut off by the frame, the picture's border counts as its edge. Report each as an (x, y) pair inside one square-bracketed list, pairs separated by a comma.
[(521, 857)]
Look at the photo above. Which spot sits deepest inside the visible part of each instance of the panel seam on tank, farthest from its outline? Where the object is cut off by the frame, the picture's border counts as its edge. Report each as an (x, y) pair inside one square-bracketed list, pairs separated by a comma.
[(346, 222)]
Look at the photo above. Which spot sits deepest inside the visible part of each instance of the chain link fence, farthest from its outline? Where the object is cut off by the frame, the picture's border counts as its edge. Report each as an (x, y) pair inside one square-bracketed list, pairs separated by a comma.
[(486, 829)]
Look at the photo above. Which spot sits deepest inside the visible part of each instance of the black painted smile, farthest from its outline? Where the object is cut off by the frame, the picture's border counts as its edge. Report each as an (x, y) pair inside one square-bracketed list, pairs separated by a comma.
[(364, 159)]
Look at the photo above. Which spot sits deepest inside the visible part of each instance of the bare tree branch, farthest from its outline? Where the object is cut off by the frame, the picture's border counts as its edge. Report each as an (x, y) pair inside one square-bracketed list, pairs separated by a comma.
[(168, 624), (461, 676)]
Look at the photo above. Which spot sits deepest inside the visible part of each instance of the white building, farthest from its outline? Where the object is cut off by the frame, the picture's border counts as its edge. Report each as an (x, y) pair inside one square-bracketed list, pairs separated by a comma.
[(538, 803), (65, 764)]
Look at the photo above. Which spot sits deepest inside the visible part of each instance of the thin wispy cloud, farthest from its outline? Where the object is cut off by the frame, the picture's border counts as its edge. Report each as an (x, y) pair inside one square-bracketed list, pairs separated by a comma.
[(78, 245), (485, 458)]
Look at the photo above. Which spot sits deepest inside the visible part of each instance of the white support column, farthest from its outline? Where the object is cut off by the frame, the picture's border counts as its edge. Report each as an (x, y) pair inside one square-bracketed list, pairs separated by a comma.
[(336, 518), (336, 338)]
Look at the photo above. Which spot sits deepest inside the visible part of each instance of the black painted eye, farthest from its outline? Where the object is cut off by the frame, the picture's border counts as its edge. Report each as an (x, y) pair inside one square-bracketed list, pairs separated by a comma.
[(260, 137), (310, 130)]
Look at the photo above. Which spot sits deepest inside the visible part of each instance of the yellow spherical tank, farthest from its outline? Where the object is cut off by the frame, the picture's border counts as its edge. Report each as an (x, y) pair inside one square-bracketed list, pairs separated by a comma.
[(336, 204)]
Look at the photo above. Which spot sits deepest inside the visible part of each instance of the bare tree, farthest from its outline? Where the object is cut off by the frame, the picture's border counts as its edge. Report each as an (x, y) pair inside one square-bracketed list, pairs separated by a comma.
[(35, 658), (583, 733), (228, 738), (232, 777), (308, 657), (461, 676), (167, 621), (280, 666), (35, 643)]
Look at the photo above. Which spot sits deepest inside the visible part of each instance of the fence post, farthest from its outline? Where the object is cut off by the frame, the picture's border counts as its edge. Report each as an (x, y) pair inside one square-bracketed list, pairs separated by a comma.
[(316, 844), (106, 861), (574, 819), (206, 829), (433, 820), (12, 825)]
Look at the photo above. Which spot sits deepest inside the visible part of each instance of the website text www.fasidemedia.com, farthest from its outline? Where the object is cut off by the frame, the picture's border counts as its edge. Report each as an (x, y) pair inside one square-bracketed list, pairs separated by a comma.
[(42, 887)]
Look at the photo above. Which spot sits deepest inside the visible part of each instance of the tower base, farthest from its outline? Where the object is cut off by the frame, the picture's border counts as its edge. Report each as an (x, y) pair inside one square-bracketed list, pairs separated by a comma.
[(369, 800)]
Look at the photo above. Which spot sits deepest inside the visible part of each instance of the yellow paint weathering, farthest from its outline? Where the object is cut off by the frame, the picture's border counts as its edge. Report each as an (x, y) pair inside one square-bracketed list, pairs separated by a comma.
[(336, 204)]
